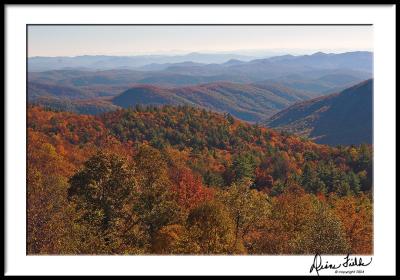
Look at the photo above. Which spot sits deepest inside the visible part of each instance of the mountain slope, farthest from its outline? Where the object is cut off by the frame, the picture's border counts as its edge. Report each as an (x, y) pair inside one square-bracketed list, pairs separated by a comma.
[(79, 106), (341, 118), (36, 90), (245, 101)]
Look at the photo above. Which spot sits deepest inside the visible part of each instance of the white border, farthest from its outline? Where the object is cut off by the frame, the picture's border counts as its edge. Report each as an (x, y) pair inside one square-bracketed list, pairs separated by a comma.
[(383, 19)]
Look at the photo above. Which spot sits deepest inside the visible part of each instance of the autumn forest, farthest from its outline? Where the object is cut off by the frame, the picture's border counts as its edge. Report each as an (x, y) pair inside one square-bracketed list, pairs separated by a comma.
[(184, 180), (192, 139)]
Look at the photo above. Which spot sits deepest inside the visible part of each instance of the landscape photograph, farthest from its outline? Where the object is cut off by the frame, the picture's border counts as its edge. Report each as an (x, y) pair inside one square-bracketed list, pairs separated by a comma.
[(199, 140)]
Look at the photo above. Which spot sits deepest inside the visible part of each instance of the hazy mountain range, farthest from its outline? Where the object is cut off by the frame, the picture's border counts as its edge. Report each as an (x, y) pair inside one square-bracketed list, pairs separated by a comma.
[(332, 73), (101, 62), (355, 60), (250, 89)]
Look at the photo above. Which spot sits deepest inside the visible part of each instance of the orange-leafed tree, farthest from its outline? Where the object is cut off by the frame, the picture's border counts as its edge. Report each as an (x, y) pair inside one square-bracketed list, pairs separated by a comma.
[(355, 213)]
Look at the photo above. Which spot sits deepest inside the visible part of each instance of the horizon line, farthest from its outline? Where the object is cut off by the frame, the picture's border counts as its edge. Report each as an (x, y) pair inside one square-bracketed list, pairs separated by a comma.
[(183, 53)]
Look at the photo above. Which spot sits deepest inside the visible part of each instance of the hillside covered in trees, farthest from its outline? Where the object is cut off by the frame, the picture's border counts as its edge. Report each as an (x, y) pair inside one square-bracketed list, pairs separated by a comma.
[(245, 101), (341, 118), (181, 180)]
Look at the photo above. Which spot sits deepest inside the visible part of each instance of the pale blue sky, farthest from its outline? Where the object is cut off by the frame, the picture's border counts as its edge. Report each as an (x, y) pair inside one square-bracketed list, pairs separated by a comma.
[(137, 40)]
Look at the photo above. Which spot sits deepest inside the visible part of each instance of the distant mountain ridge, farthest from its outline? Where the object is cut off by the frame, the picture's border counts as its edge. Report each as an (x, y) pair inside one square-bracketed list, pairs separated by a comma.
[(361, 60), (340, 118), (319, 73), (103, 62)]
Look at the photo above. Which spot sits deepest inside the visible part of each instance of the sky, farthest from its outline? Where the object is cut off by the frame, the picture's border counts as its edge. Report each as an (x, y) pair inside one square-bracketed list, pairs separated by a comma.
[(68, 40)]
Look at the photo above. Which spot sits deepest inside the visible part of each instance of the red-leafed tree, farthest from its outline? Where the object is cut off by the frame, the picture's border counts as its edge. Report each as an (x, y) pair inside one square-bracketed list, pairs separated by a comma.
[(188, 188)]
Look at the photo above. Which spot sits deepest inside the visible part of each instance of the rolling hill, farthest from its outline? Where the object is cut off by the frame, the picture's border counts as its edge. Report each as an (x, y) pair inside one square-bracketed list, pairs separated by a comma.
[(253, 103), (36, 90), (341, 118), (80, 106)]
